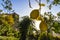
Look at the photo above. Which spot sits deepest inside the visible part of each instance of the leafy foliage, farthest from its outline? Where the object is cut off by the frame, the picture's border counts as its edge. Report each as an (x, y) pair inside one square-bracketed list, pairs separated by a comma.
[(1, 10), (8, 38), (7, 5), (24, 25), (6, 19), (58, 14), (9, 19), (56, 26), (7, 30)]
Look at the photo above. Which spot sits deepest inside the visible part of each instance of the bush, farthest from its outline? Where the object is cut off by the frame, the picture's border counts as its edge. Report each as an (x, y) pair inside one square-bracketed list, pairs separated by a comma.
[(7, 30)]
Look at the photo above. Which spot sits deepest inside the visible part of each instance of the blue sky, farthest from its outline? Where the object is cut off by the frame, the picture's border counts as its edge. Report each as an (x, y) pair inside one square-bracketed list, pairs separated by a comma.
[(21, 7)]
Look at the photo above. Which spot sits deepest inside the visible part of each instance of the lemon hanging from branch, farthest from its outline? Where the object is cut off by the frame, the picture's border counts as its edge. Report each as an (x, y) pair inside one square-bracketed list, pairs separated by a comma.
[(43, 26), (34, 14), (39, 18)]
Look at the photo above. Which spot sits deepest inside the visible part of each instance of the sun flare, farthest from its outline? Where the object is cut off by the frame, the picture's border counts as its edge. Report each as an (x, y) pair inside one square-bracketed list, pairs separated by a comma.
[(37, 24)]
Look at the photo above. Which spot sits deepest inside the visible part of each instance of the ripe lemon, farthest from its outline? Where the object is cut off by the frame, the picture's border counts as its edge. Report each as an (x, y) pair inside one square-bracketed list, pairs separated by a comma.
[(34, 14), (43, 26)]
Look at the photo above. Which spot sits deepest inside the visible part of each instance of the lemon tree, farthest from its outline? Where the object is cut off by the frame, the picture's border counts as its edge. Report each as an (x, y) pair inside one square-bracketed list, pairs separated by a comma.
[(34, 14)]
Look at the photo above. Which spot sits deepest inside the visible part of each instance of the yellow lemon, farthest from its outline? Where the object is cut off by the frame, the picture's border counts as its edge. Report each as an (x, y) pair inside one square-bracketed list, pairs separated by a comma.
[(43, 26), (34, 14)]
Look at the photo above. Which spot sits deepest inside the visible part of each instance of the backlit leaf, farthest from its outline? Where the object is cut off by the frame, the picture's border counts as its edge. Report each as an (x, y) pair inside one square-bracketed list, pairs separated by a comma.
[(42, 4), (29, 4), (50, 6)]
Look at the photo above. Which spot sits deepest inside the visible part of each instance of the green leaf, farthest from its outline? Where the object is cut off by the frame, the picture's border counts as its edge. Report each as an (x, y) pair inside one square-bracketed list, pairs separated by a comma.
[(58, 13), (6, 7), (50, 6), (48, 1), (0, 10), (30, 4), (55, 24)]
